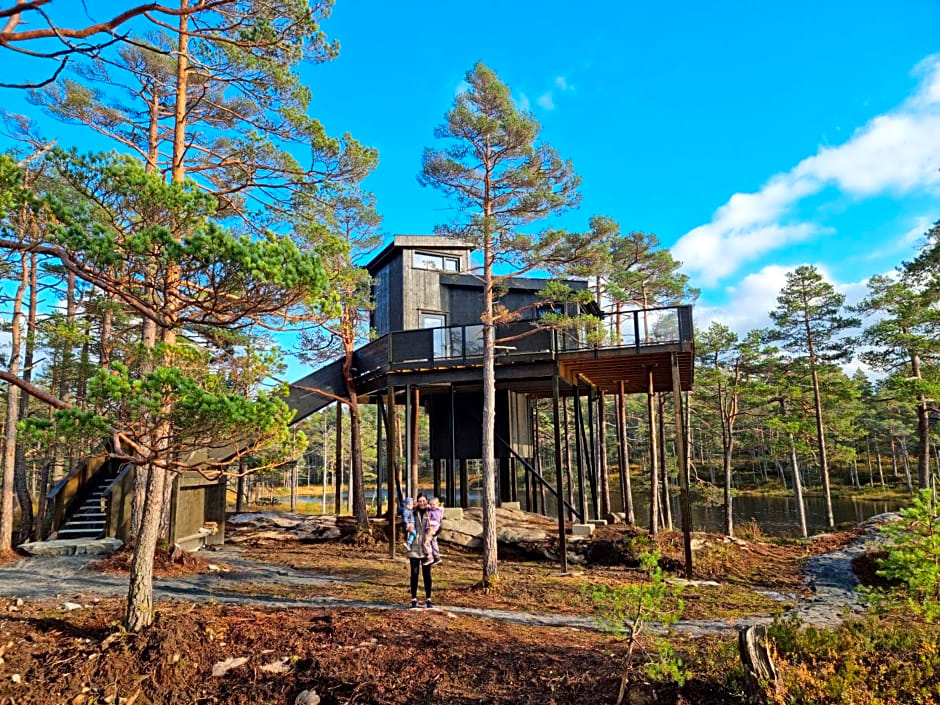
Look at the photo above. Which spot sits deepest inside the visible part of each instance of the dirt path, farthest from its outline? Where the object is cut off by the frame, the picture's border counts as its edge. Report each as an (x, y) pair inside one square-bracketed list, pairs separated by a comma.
[(70, 578)]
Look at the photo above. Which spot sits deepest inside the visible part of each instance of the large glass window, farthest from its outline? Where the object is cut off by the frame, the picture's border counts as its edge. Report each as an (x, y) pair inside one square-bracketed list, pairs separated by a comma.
[(423, 260)]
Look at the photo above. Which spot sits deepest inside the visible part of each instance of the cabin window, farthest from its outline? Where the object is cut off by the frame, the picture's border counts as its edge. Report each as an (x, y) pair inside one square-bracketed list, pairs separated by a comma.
[(441, 263)]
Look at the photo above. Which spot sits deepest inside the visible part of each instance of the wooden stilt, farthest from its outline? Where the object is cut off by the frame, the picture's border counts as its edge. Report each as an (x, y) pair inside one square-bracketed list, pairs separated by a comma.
[(378, 457), (392, 444), (682, 465), (560, 505), (338, 460), (579, 456)]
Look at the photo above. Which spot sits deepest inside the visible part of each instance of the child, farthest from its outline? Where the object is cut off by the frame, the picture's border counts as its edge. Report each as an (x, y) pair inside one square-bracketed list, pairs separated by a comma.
[(432, 554), (408, 521)]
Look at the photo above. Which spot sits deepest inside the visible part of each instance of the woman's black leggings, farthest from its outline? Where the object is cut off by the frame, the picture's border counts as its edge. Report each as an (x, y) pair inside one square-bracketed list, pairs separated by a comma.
[(417, 567)]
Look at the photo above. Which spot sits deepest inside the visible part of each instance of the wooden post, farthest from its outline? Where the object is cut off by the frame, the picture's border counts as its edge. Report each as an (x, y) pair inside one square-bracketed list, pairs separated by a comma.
[(452, 464), (392, 445), (592, 446), (560, 504), (378, 457), (604, 476), (538, 462), (682, 466), (582, 500), (413, 442), (436, 476), (568, 477), (654, 453), (338, 461), (626, 492), (464, 484)]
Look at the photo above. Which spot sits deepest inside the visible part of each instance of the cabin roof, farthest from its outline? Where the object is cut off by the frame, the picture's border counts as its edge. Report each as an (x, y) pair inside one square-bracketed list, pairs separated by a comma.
[(414, 242)]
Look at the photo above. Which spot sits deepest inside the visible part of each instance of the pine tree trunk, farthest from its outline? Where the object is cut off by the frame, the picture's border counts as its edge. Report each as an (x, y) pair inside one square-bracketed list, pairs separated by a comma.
[(27, 522), (881, 474), (823, 457), (12, 414), (727, 449), (923, 439), (665, 503), (797, 488), (139, 613), (357, 483), (905, 456), (490, 565), (654, 457)]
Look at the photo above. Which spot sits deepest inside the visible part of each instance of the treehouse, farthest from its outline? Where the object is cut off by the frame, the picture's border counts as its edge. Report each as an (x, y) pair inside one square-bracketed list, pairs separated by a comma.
[(427, 356)]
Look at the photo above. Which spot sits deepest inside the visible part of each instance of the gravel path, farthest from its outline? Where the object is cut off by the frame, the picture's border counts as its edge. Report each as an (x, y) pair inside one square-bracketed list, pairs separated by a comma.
[(69, 578)]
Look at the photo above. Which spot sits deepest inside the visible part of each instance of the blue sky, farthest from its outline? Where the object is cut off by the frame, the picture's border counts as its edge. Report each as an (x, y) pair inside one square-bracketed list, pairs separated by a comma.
[(668, 111), (751, 137)]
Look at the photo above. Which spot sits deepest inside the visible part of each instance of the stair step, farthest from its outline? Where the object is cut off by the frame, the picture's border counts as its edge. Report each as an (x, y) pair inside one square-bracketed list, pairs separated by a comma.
[(89, 523), (79, 533), (88, 515)]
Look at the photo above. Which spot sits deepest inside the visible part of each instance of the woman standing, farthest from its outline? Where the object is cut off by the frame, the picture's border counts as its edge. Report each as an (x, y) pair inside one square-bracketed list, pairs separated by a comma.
[(416, 552)]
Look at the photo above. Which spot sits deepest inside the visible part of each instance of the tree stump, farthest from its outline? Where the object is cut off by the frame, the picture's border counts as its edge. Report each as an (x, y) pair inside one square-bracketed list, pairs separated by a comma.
[(760, 672)]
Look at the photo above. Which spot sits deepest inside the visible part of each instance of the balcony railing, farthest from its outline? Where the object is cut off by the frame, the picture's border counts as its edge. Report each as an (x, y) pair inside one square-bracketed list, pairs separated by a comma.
[(458, 345)]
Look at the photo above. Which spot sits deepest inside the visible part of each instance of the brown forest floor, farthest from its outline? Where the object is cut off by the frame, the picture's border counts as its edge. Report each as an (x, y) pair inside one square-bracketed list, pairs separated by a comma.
[(365, 573), (346, 656)]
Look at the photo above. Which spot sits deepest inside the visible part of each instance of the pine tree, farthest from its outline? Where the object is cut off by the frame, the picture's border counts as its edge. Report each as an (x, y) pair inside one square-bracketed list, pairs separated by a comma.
[(354, 224), (501, 178), (810, 324)]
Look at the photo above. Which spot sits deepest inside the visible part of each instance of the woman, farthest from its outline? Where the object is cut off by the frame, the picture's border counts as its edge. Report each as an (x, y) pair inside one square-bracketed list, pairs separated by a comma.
[(416, 552)]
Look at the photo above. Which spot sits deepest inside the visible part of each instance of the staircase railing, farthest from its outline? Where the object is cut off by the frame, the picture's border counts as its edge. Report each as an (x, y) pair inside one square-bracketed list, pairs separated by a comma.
[(72, 489), (119, 498)]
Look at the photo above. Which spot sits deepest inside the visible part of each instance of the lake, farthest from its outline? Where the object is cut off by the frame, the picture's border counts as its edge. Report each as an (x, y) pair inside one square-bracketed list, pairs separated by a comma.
[(775, 515)]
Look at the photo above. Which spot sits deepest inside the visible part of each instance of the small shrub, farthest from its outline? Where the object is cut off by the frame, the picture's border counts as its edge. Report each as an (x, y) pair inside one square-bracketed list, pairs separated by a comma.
[(870, 661), (911, 562), (626, 611), (749, 530)]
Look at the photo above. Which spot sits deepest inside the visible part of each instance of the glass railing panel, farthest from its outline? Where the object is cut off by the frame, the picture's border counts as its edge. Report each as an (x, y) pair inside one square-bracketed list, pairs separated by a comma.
[(658, 326), (474, 342)]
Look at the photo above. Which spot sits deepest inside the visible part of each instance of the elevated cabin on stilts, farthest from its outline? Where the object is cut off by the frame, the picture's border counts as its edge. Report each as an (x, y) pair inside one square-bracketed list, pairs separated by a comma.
[(427, 356)]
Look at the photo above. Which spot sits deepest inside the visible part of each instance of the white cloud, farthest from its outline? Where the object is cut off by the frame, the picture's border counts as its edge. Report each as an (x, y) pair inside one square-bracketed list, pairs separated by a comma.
[(462, 87), (895, 153), (523, 102), (546, 101), (752, 298), (562, 84)]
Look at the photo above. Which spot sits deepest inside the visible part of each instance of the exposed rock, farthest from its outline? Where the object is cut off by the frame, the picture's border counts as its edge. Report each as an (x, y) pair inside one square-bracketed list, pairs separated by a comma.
[(258, 527), (519, 534), (685, 582), (307, 697), (69, 606), (72, 547), (465, 532), (223, 667)]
